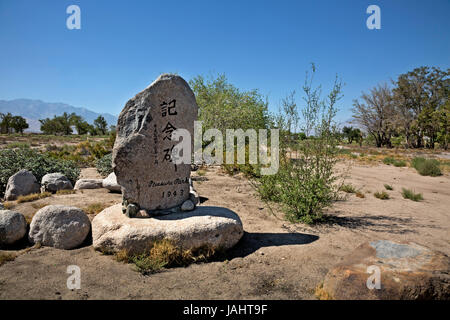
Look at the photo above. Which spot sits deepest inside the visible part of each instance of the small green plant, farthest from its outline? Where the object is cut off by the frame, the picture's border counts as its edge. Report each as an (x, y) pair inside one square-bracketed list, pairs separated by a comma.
[(381, 195), (426, 167), (411, 195), (394, 162), (388, 187), (348, 188), (104, 165)]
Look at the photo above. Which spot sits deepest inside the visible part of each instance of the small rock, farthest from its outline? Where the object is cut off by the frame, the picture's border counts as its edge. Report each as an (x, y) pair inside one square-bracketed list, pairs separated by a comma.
[(59, 226), (132, 210), (21, 184), (13, 227), (53, 182), (111, 184), (88, 184), (188, 205)]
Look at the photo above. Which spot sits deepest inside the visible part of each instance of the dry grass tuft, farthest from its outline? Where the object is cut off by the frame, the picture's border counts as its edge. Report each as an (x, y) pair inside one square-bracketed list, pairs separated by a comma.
[(66, 191), (5, 257), (321, 294), (95, 208), (33, 197), (164, 254)]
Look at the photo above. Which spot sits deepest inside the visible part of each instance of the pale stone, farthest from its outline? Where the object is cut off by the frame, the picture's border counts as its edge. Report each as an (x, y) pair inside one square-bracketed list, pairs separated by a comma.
[(20, 184), (59, 226), (142, 152), (88, 184), (13, 227), (110, 183), (214, 227), (407, 271), (53, 182)]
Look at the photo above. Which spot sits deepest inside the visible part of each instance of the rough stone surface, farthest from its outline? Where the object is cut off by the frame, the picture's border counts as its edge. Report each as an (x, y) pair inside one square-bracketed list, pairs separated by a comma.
[(13, 227), (88, 184), (407, 271), (110, 183), (215, 227), (59, 226), (53, 182), (142, 152), (188, 205), (21, 184)]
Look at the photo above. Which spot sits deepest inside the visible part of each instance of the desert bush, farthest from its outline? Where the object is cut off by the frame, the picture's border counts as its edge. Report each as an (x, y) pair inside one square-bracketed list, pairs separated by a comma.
[(411, 195), (104, 165), (359, 194), (6, 256), (381, 195), (13, 160), (426, 167), (306, 185), (388, 187)]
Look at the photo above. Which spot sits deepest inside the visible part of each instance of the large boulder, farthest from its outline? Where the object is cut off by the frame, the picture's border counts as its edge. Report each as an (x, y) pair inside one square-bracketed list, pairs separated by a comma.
[(13, 227), (88, 184), (214, 227), (110, 183), (53, 182), (59, 226), (21, 184), (406, 271)]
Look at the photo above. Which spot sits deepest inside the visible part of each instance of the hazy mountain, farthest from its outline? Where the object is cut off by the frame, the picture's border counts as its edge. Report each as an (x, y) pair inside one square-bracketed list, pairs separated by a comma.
[(33, 110)]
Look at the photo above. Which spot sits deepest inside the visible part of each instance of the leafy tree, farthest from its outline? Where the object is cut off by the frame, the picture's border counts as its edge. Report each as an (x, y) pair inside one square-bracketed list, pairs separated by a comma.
[(6, 122), (352, 134), (101, 125), (223, 106), (19, 124)]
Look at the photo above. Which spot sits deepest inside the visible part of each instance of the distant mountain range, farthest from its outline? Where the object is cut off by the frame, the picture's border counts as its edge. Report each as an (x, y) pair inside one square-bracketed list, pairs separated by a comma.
[(33, 110)]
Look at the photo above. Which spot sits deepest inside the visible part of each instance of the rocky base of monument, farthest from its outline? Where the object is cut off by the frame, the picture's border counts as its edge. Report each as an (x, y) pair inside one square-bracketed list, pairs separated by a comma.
[(405, 271), (132, 210), (214, 227)]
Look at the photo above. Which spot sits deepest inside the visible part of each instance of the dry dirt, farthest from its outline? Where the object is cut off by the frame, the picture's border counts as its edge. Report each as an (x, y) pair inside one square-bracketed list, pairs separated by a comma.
[(274, 260)]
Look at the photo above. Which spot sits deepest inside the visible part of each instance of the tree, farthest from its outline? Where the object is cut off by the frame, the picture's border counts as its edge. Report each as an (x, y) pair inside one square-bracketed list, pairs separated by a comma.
[(223, 106), (101, 125), (61, 125), (19, 124), (352, 134), (417, 96), (6, 122), (375, 114)]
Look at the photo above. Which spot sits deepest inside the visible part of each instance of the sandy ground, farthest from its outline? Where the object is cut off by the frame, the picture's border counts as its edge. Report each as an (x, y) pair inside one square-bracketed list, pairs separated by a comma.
[(274, 260)]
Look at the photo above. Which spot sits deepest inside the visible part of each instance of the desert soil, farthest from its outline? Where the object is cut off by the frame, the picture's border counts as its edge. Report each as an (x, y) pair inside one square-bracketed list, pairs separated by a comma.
[(274, 260)]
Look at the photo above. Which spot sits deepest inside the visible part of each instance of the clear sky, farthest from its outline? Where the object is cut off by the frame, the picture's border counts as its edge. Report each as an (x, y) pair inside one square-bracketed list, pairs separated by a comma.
[(267, 45)]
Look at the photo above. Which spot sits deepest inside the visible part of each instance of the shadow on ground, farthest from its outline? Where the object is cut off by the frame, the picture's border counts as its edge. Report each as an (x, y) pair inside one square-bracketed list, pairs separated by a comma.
[(251, 242)]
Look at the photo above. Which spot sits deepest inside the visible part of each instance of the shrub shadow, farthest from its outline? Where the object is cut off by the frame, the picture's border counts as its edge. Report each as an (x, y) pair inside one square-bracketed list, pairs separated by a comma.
[(251, 242)]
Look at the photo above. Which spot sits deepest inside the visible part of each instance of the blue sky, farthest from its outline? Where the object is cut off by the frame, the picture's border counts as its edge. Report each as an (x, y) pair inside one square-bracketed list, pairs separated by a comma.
[(267, 45)]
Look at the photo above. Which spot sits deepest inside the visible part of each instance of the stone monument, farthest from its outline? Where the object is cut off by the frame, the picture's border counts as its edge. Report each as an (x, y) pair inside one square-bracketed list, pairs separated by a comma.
[(158, 196)]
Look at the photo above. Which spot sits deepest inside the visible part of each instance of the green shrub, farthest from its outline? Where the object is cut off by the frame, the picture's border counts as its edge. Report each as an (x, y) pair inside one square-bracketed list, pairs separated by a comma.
[(409, 194), (104, 165), (388, 187), (394, 162), (13, 160), (426, 167), (381, 195)]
